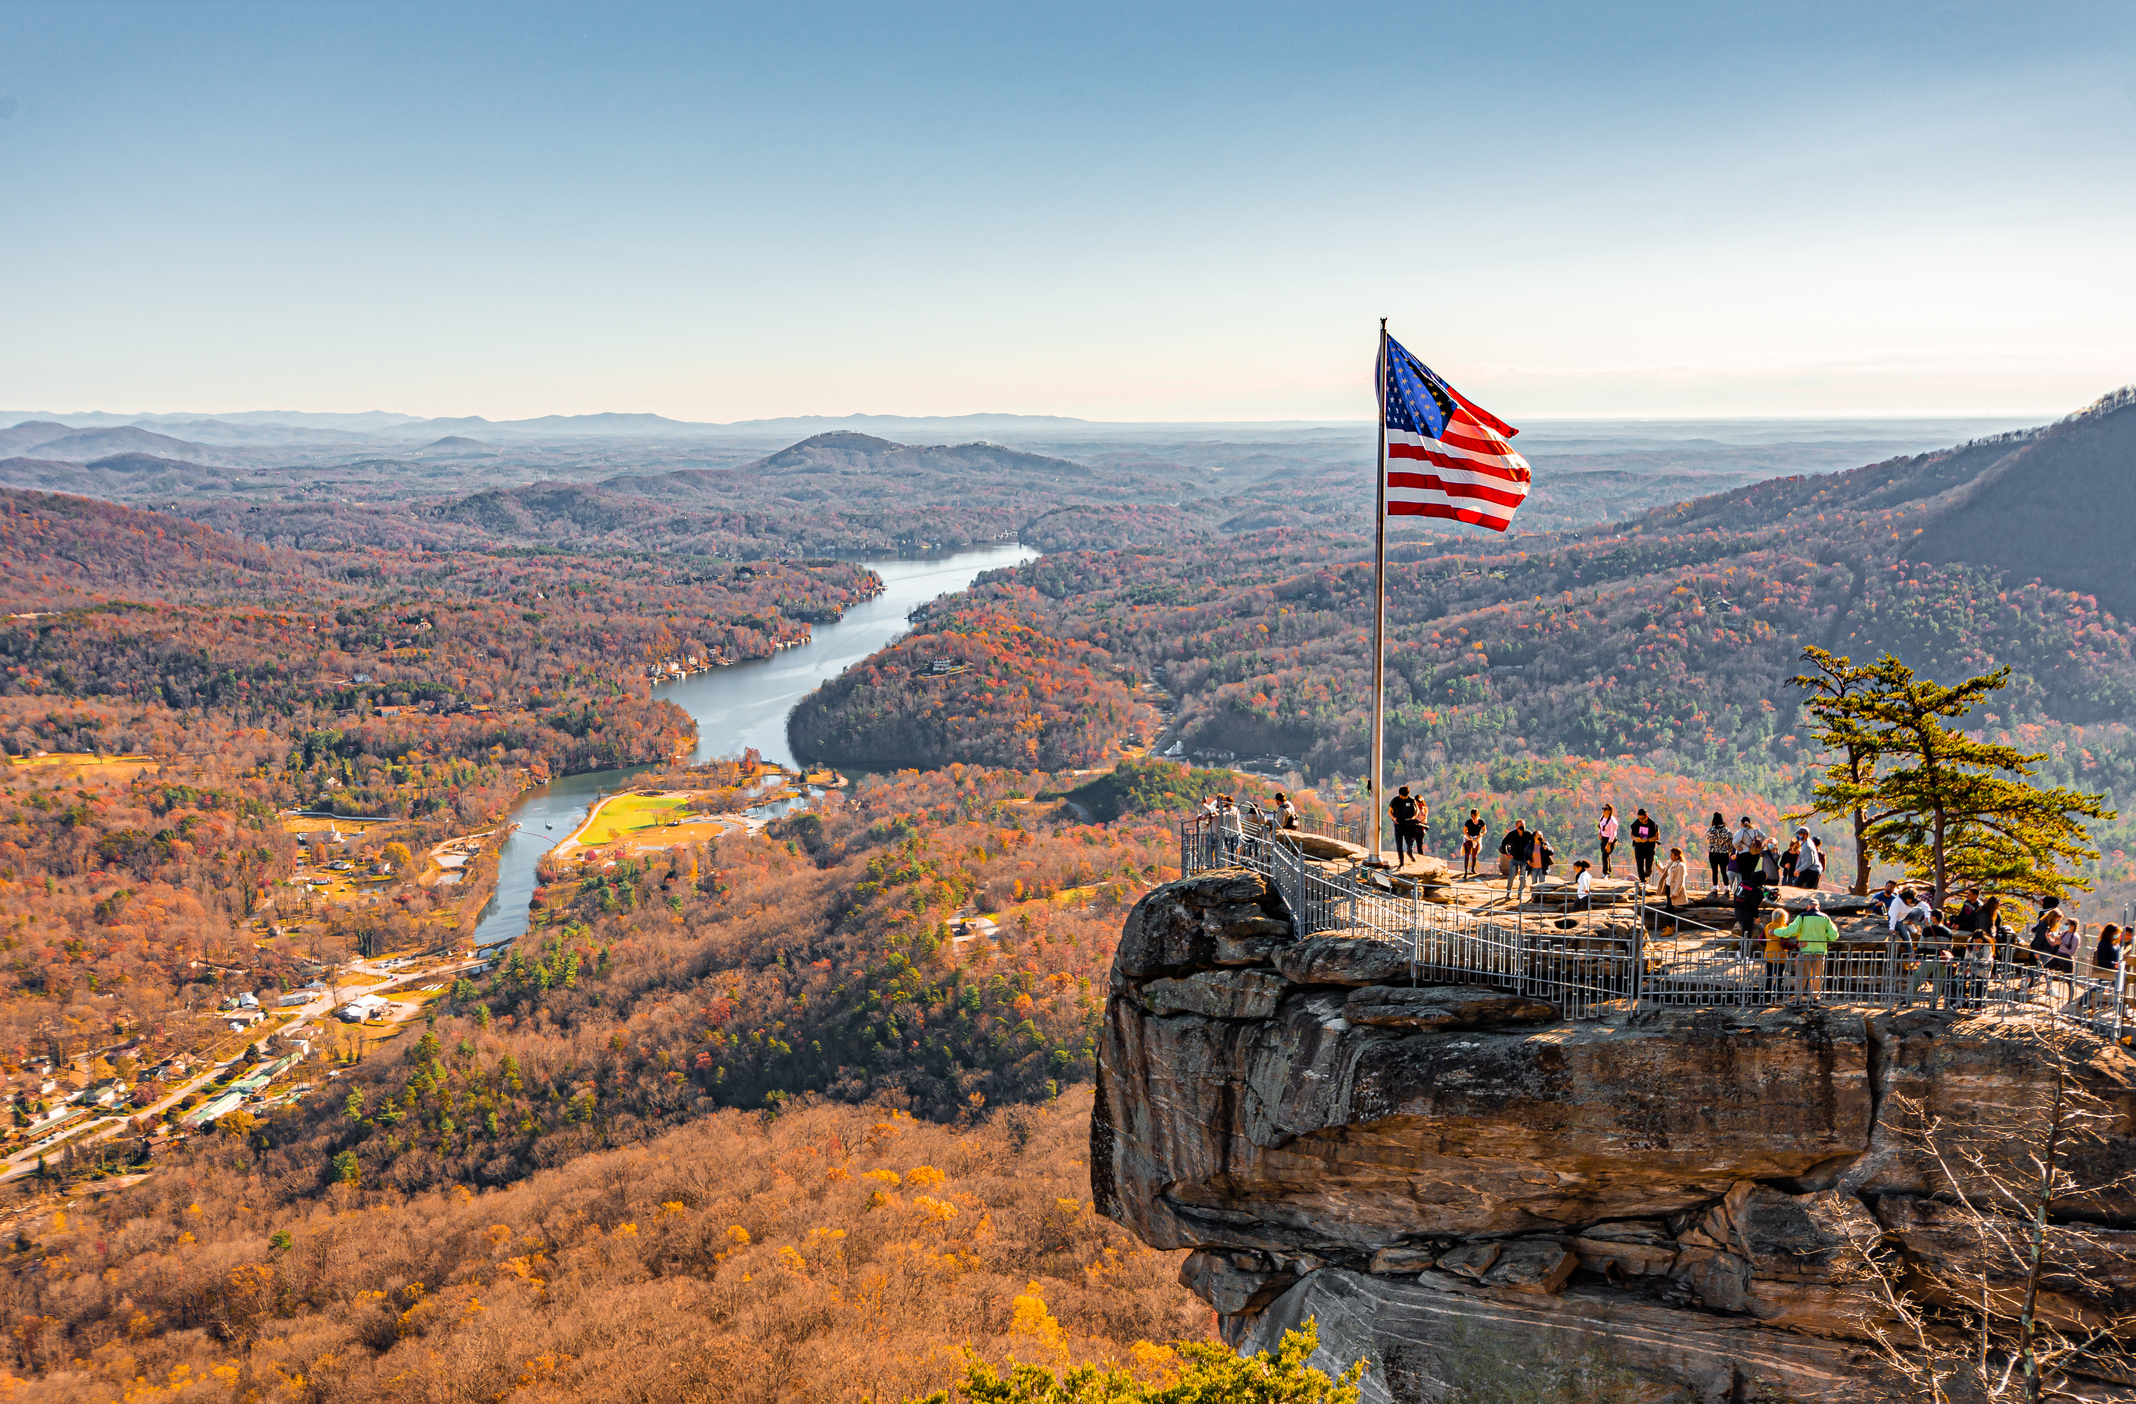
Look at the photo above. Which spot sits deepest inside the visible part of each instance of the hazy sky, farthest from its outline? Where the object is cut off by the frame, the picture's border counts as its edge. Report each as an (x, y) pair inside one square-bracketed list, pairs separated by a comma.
[(1141, 212)]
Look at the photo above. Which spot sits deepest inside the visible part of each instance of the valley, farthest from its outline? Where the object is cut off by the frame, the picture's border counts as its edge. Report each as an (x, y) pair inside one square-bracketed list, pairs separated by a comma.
[(765, 893)]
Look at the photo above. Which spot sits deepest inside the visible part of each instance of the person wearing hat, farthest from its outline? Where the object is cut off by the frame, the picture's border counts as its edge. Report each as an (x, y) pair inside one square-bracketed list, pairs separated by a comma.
[(1809, 863), (1813, 934)]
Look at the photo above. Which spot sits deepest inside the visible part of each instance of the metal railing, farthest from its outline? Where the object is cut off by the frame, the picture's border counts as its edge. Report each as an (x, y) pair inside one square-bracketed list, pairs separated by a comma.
[(1588, 971)]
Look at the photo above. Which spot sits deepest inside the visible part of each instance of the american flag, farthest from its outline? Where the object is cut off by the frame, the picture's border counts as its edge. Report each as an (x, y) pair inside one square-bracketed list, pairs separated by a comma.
[(1445, 456)]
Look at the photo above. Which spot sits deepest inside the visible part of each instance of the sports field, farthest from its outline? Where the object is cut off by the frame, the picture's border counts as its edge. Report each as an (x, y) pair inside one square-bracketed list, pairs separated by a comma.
[(626, 814)]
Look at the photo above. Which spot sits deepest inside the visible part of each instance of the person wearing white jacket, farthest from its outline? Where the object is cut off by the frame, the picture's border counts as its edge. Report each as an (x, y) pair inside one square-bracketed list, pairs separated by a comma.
[(1675, 881)]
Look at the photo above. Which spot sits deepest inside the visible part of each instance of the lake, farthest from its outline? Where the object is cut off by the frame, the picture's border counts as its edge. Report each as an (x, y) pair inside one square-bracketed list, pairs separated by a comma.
[(734, 708)]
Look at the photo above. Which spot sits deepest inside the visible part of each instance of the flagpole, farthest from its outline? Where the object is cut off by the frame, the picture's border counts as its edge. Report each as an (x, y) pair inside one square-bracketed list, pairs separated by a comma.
[(1379, 616)]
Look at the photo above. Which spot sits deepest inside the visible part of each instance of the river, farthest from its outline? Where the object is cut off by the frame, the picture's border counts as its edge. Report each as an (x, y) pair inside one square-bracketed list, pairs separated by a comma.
[(734, 708)]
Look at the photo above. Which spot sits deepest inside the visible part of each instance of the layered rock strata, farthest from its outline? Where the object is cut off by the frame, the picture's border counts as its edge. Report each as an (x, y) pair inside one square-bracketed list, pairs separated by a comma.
[(1692, 1199)]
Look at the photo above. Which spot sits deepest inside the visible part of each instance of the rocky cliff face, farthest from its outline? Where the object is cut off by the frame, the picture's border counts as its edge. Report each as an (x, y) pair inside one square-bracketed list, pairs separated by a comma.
[(1688, 1201)]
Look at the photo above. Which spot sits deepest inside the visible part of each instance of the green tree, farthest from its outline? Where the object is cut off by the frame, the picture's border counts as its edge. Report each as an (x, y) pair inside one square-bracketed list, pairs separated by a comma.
[(1834, 683), (1943, 804), (346, 1169), (1212, 1375)]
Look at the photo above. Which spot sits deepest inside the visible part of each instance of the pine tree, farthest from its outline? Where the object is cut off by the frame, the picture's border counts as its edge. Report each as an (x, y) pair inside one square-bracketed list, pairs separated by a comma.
[(1835, 683), (1943, 804)]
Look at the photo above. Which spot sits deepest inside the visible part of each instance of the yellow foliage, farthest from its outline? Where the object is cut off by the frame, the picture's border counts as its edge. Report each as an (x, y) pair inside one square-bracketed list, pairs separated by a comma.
[(888, 1177), (540, 1368), (921, 1177), (672, 1206), (738, 1236), (521, 1268), (626, 1230), (59, 1220), (1156, 1364), (1030, 1318), (935, 1208), (498, 1235)]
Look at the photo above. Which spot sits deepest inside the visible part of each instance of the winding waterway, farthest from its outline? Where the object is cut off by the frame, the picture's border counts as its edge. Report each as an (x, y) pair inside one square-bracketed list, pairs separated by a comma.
[(734, 708)]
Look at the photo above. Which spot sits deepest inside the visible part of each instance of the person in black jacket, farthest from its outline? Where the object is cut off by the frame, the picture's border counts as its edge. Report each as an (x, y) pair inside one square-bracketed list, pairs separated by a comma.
[(1645, 835), (1749, 898), (1408, 832), (1516, 847)]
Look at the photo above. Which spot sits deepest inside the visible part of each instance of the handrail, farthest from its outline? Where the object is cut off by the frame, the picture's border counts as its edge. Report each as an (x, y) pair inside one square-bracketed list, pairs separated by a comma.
[(1588, 972)]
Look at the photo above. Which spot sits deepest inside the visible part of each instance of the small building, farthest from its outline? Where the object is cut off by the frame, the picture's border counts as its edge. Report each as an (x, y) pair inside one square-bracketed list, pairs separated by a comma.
[(210, 1111), (364, 1006)]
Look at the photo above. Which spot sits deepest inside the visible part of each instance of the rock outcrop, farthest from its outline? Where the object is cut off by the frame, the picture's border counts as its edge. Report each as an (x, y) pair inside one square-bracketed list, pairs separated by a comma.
[(1698, 1200)]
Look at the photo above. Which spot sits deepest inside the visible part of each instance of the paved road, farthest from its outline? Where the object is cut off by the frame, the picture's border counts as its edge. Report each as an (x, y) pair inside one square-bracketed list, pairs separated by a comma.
[(99, 1128)]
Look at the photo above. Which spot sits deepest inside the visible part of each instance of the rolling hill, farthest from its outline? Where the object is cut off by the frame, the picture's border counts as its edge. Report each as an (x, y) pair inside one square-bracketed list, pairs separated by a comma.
[(1665, 640)]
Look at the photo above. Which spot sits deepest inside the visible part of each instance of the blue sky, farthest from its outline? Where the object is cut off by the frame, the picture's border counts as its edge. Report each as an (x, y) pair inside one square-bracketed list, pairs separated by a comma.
[(1133, 212)]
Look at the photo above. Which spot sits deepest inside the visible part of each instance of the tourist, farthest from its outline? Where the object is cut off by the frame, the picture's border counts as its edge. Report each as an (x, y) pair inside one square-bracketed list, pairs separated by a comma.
[(1606, 834), (1229, 826), (1789, 857), (1779, 949), (1888, 896), (2106, 963), (1583, 888), (1939, 959), (1908, 917), (1513, 852), (1540, 856), (1813, 934), (1745, 835), (1720, 848), (2046, 943), (1989, 924), (1408, 831), (2106, 956), (1676, 881), (1750, 896), (2067, 948), (1646, 837), (1809, 863), (1979, 964), (1471, 842), (1769, 873), (1286, 812)]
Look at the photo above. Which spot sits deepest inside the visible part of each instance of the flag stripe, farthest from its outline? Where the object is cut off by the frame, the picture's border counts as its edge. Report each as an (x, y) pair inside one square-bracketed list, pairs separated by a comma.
[(1473, 516), (1416, 486), (1511, 470)]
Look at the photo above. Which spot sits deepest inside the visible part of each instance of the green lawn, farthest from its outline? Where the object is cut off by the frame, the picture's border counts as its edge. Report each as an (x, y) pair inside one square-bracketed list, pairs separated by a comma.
[(625, 814)]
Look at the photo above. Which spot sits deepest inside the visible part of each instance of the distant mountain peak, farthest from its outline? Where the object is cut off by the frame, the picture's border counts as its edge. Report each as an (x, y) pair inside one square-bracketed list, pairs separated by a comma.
[(851, 440)]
